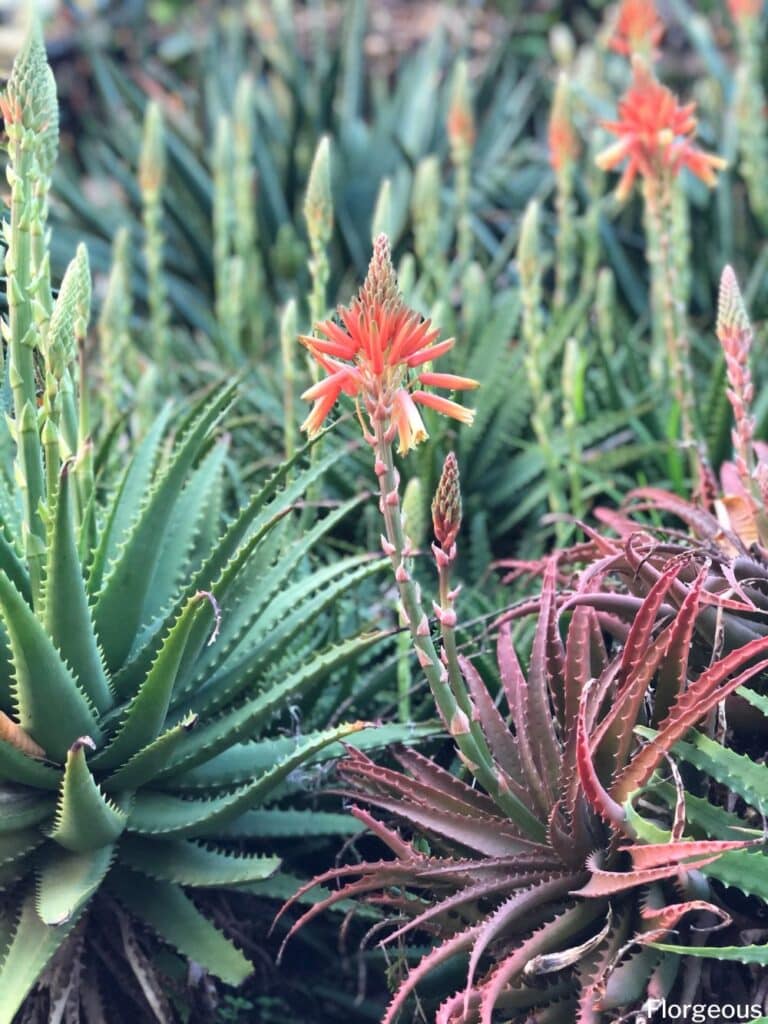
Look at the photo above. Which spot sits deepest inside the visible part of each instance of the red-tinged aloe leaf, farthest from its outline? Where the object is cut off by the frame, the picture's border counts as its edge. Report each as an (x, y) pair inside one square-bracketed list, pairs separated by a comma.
[(501, 742), (689, 708), (703, 523), (465, 871), (600, 800), (673, 670), (607, 883), (554, 650), (432, 776), (640, 659), (511, 911), (605, 545), (546, 747), (549, 936), (548, 963), (375, 875), (578, 672), (667, 917), (624, 606), (454, 902), (455, 944), (636, 648), (595, 972), (515, 690), (492, 836), (622, 525), (430, 785), (652, 855), (391, 839), (578, 661)]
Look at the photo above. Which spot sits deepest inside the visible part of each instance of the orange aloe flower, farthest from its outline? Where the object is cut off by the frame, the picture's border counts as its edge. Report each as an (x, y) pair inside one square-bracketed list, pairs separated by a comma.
[(638, 28), (374, 354), (655, 135), (745, 9)]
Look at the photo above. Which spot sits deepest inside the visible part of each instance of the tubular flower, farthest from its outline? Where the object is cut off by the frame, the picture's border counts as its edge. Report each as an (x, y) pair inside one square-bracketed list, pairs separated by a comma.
[(373, 354), (638, 28), (655, 135)]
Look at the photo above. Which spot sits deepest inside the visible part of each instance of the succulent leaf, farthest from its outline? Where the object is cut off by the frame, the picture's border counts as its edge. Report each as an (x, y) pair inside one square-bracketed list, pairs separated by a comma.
[(174, 917), (66, 882), (120, 604), (31, 947), (188, 863), (146, 713), (85, 819), (52, 707), (67, 617)]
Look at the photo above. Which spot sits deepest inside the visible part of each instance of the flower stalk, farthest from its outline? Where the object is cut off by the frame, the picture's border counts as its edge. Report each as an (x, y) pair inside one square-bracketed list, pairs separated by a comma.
[(318, 213), (30, 113), (246, 219), (534, 339), (461, 137), (563, 154), (750, 102), (114, 326), (152, 172)]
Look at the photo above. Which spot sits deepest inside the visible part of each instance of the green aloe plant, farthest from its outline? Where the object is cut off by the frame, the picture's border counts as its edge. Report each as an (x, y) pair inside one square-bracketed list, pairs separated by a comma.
[(148, 639)]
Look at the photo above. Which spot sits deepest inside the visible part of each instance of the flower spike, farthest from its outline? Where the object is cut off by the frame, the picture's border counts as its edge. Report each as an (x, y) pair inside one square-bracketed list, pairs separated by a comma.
[(370, 353)]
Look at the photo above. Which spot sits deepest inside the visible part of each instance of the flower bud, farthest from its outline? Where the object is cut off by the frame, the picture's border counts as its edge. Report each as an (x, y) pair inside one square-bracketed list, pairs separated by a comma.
[(446, 505)]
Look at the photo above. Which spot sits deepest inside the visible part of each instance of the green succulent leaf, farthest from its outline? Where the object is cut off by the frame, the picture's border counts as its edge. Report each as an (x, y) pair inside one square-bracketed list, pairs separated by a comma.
[(232, 725), (21, 808), (188, 863), (278, 823), (85, 818), (30, 949), (120, 604), (129, 499), (66, 881), (16, 766), (52, 708), (162, 814), (737, 954), (145, 715), (11, 564), (147, 762), (15, 845), (67, 616), (177, 921)]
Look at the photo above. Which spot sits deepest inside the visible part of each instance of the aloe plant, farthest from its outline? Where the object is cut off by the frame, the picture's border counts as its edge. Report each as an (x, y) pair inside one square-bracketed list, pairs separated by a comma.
[(573, 882), (148, 638)]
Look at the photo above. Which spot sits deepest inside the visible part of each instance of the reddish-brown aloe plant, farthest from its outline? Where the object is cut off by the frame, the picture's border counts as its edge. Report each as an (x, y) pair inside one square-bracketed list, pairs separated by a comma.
[(576, 892)]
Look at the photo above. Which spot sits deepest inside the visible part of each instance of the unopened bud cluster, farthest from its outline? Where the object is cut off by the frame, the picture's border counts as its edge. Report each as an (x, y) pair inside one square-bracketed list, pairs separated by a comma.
[(446, 505)]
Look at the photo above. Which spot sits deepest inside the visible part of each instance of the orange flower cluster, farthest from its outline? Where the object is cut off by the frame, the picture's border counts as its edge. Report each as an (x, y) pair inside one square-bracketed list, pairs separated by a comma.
[(638, 28), (562, 137), (655, 135), (745, 9), (372, 353)]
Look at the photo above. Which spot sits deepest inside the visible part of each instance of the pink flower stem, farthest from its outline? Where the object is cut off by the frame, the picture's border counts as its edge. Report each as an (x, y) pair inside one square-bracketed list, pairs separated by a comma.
[(453, 704)]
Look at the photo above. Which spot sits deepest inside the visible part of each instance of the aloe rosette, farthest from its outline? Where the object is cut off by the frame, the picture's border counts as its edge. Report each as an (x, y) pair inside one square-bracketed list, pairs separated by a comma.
[(148, 637), (568, 899)]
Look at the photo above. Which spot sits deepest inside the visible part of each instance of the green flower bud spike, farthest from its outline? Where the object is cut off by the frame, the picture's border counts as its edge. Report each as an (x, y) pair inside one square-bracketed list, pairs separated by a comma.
[(318, 213), (30, 113)]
